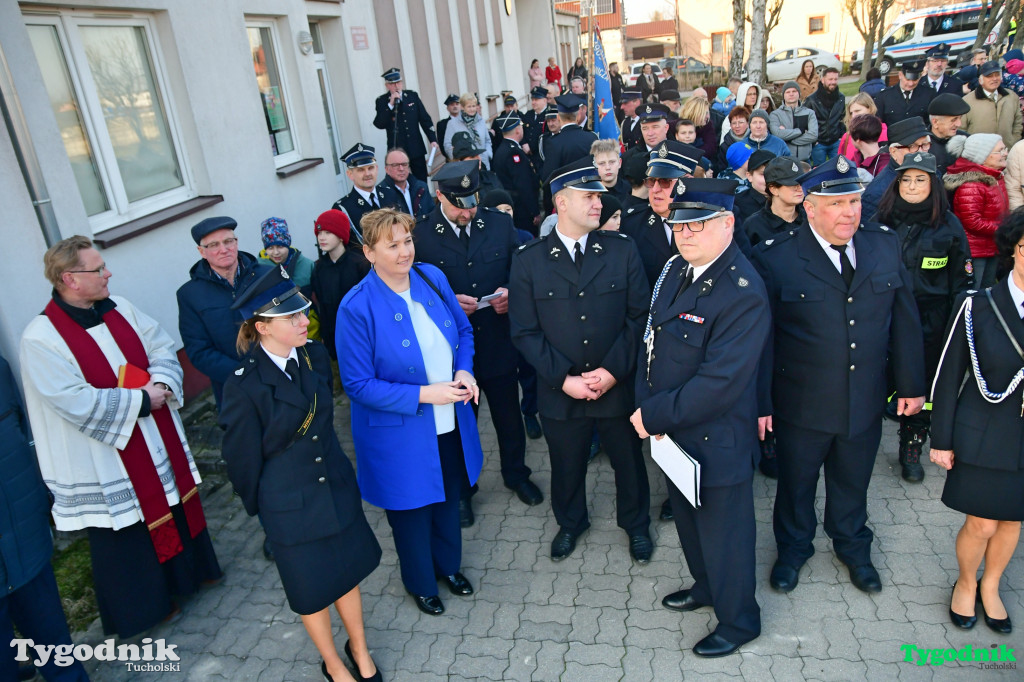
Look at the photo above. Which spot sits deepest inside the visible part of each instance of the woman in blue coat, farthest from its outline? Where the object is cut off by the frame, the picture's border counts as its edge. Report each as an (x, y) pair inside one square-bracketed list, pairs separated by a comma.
[(285, 462), (406, 366)]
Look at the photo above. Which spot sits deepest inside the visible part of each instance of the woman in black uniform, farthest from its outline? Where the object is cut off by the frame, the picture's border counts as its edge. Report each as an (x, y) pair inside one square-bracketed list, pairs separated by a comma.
[(286, 464), (936, 254), (982, 424)]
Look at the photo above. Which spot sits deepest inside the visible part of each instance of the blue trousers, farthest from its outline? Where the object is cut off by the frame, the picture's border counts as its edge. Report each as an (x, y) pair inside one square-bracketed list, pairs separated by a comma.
[(429, 539), (36, 610), (820, 153)]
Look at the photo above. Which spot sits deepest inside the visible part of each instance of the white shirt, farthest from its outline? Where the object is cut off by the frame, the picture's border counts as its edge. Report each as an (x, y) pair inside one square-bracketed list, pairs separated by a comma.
[(437, 358), (699, 270), (935, 83), (833, 255), (1016, 294), (405, 193), (366, 195), (455, 228), (570, 244), (282, 363)]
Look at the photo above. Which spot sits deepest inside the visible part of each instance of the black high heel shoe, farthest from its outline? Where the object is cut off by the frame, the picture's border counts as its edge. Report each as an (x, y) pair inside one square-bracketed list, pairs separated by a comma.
[(1001, 625), (376, 677), (962, 622)]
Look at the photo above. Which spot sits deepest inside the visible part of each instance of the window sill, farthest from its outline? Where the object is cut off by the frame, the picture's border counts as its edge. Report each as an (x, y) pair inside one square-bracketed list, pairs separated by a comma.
[(297, 167), (134, 228)]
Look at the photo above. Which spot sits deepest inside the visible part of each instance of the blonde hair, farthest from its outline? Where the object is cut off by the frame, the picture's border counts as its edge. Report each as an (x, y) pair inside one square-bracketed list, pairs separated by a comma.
[(697, 109), (468, 97), (247, 334), (604, 147), (63, 256), (377, 225), (863, 99)]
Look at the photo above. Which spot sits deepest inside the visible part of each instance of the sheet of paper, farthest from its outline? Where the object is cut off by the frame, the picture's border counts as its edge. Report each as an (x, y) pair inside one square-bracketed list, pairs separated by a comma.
[(681, 468), (430, 159), (485, 301)]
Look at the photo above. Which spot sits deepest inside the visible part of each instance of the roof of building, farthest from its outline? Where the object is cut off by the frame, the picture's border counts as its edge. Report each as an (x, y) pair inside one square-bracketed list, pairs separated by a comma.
[(651, 29)]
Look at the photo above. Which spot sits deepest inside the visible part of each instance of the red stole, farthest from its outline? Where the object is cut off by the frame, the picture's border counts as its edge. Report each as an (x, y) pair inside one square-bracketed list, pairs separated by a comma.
[(138, 462)]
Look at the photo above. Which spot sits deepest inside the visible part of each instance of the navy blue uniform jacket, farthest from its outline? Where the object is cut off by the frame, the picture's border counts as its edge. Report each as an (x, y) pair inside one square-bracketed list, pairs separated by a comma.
[(566, 323), (571, 144), (515, 170), (826, 364), (401, 123), (356, 206), (478, 273), (702, 386)]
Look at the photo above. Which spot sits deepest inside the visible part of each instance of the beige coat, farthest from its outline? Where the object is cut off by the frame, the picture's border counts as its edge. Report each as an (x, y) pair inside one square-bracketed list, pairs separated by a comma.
[(1002, 118), (1014, 176)]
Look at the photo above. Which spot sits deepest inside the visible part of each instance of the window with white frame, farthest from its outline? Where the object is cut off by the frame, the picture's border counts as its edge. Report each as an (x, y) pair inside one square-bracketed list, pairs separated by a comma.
[(273, 92), (105, 80)]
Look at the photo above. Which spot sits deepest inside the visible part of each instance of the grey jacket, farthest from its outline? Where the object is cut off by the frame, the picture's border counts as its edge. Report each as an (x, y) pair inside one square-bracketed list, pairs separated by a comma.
[(783, 122)]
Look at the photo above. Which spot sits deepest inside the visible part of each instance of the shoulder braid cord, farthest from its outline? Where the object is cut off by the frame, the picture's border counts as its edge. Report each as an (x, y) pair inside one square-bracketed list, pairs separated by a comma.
[(990, 396), (648, 330)]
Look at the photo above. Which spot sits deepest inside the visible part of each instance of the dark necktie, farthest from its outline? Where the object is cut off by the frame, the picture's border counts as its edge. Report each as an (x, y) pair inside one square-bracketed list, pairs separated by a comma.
[(906, 96), (935, 85), (292, 368), (844, 263), (464, 237), (687, 281), (577, 257), (373, 201)]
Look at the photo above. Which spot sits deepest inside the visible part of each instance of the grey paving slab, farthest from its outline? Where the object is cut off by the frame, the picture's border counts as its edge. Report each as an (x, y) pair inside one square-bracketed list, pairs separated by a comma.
[(596, 616)]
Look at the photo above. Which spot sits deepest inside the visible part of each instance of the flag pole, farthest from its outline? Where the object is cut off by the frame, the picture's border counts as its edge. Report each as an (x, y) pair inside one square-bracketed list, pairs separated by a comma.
[(591, 60)]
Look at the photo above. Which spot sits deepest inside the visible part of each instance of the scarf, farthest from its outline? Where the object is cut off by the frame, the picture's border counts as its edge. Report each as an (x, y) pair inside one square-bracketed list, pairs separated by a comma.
[(827, 98), (136, 457), (906, 213), (470, 122)]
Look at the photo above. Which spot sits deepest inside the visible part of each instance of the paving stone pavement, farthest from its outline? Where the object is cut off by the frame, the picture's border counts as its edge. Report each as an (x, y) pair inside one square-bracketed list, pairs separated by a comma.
[(596, 616)]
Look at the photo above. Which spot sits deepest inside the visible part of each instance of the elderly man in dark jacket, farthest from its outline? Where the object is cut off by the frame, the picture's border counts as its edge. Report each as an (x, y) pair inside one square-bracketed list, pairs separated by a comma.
[(30, 601), (205, 321), (829, 107)]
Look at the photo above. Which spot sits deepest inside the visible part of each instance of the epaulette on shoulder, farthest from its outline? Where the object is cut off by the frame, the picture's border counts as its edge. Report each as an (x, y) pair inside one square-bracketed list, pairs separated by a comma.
[(421, 218), (779, 238), (877, 227), (247, 367), (532, 242)]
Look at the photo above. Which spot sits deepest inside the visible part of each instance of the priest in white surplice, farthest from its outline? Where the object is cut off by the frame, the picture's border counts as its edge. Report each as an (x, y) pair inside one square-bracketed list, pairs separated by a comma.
[(115, 459)]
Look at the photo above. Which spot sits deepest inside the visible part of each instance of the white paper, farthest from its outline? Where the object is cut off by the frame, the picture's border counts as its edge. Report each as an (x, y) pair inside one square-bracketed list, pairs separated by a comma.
[(430, 159), (680, 467), (485, 301)]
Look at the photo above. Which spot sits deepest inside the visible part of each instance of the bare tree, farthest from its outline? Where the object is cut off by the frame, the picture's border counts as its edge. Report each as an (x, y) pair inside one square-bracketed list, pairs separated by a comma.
[(739, 36), (755, 65), (987, 20), (1011, 11), (868, 18)]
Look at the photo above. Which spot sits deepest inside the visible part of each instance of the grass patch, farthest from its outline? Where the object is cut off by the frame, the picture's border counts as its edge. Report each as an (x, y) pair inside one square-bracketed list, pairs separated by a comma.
[(850, 89), (73, 568)]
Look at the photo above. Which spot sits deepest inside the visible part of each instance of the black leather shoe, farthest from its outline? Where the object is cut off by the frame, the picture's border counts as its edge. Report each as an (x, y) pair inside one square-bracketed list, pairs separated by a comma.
[(563, 545), (714, 646), (666, 510), (376, 677), (962, 622), (432, 606), (268, 553), (865, 578), (323, 670), (784, 577), (681, 601), (533, 430), (466, 518), (457, 584), (641, 547), (528, 493), (1001, 625)]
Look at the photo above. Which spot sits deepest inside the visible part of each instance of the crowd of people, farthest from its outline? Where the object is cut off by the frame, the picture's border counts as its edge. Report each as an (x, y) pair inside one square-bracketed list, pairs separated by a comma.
[(762, 283)]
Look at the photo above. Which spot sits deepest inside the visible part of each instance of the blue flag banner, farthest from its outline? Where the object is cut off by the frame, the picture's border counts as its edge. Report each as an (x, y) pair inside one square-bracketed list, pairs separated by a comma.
[(605, 124)]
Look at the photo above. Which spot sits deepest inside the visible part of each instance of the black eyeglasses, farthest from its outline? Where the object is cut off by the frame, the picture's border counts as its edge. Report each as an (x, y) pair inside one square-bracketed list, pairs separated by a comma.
[(213, 246), (693, 225), (98, 271)]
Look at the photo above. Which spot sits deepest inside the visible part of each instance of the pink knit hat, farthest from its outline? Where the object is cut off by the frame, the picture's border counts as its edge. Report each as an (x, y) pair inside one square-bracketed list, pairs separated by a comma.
[(1015, 66)]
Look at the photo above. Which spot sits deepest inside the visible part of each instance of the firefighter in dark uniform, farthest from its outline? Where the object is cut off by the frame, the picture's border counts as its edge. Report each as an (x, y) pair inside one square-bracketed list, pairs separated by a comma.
[(533, 122), (366, 194), (572, 142), (551, 128), (516, 173), (944, 119), (841, 304), (442, 126), (936, 254), (631, 101), (510, 108), (400, 113), (780, 178), (473, 247), (653, 130), (578, 300), (463, 150), (935, 78), (697, 383), (910, 97)]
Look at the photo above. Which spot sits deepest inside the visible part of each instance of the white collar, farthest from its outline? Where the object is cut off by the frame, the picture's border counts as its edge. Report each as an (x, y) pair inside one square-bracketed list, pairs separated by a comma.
[(832, 254), (699, 270), (363, 194), (1016, 294), (455, 228), (279, 361), (570, 244)]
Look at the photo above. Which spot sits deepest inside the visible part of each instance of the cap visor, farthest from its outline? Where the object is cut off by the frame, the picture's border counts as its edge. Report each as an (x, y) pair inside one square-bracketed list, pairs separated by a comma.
[(468, 201), (845, 188), (692, 215), (293, 303), (591, 186), (664, 170)]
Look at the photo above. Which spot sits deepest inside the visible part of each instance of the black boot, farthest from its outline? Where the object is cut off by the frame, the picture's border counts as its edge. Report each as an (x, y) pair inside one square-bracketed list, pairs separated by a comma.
[(912, 439)]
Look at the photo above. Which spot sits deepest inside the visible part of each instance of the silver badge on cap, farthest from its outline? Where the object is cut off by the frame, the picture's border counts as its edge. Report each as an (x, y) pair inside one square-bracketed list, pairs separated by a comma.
[(663, 152), (359, 147), (918, 158), (680, 188), (466, 182), (649, 109), (842, 165), (796, 168)]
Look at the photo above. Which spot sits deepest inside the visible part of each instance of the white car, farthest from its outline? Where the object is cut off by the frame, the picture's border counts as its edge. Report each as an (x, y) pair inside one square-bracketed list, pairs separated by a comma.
[(634, 73), (784, 65)]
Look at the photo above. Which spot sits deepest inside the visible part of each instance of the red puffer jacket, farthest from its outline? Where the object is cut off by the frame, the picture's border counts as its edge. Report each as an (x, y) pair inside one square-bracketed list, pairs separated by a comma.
[(979, 201)]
